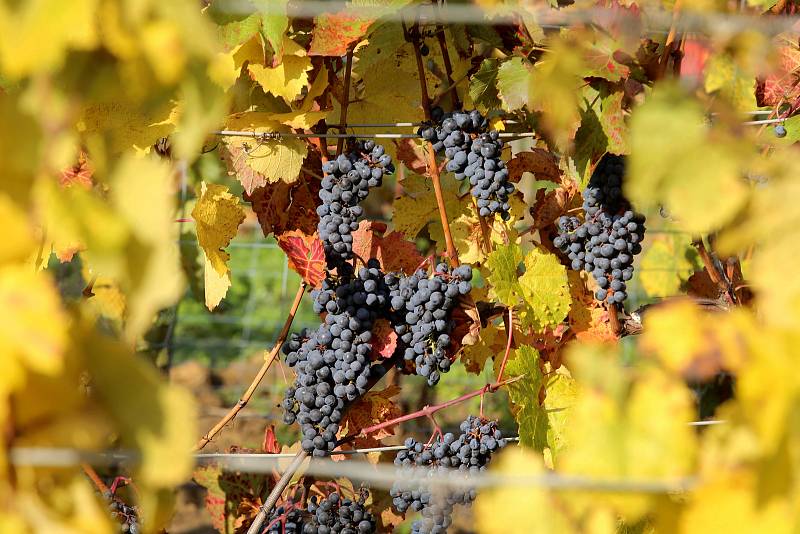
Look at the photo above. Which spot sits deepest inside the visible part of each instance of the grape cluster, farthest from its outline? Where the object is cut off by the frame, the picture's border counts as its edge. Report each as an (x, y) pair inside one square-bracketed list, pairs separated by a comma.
[(126, 516), (347, 181), (463, 455), (421, 308), (333, 363), (333, 514), (473, 152), (605, 243)]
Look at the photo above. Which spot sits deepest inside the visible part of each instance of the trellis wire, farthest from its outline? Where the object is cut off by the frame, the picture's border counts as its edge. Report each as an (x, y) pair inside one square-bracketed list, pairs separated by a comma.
[(381, 475), (276, 136), (653, 21)]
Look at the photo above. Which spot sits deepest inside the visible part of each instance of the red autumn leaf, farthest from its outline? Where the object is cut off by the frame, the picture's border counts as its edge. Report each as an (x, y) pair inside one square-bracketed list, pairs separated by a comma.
[(334, 33), (693, 63), (79, 175), (282, 207), (392, 249), (306, 255), (384, 340), (538, 161), (270, 443), (783, 83)]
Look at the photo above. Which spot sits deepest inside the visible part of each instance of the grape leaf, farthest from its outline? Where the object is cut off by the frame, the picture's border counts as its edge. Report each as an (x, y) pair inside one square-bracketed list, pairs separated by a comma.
[(395, 253), (667, 263), (417, 207), (542, 163), (781, 85), (384, 340), (305, 254), (39, 345), (335, 32), (273, 25), (513, 81), (282, 207), (491, 343), (504, 268), (372, 408), (612, 119), (664, 173), (287, 79), (79, 174), (217, 217), (483, 85), (725, 77), (587, 319), (525, 395), (544, 289), (411, 153)]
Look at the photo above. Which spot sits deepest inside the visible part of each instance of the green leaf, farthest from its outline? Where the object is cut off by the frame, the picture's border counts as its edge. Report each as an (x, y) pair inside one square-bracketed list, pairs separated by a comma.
[(545, 290), (513, 81), (541, 425), (503, 265), (273, 26), (590, 143), (726, 78), (483, 85)]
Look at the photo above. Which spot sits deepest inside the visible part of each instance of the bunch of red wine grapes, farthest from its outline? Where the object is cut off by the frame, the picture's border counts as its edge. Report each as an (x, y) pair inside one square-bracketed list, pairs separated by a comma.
[(335, 364), (609, 237)]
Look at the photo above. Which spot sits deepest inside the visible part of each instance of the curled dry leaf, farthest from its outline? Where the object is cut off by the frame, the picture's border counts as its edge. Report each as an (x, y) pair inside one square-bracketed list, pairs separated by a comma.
[(282, 207), (374, 407)]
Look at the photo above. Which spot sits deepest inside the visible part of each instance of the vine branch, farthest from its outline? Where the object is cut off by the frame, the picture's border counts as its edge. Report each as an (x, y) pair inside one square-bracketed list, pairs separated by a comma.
[(245, 398), (412, 35), (348, 72), (510, 327), (716, 277), (429, 410)]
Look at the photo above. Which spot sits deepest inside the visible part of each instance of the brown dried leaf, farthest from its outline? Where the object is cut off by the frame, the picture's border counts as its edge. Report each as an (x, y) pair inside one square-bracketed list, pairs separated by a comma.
[(282, 207), (700, 285), (587, 318), (374, 407), (410, 152), (392, 249), (538, 161)]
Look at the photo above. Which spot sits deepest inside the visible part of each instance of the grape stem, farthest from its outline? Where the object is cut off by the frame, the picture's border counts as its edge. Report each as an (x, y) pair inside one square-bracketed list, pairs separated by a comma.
[(412, 35), (268, 359), (95, 478), (429, 410), (448, 67), (510, 327), (613, 316), (713, 273), (348, 71)]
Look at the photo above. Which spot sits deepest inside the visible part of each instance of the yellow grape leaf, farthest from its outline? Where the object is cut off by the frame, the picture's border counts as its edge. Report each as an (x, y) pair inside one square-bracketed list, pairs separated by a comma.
[(417, 207), (274, 160), (36, 36), (553, 89), (122, 125), (142, 194), (670, 147), (21, 160), (18, 239), (503, 265), (106, 297), (35, 326), (300, 119), (288, 79), (636, 421), (728, 504), (201, 109), (709, 341), (468, 235), (726, 77), (526, 508), (667, 263), (217, 217), (544, 289), (491, 342), (160, 424)]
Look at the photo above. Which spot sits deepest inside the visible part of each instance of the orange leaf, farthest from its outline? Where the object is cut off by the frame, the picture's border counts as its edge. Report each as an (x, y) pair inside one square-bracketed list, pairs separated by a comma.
[(393, 250), (372, 408), (411, 154), (538, 161), (282, 207), (79, 175), (334, 33), (306, 255)]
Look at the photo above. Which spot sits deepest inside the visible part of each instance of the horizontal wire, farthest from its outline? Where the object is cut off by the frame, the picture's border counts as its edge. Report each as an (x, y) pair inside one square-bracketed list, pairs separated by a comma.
[(377, 475), (276, 136), (653, 21)]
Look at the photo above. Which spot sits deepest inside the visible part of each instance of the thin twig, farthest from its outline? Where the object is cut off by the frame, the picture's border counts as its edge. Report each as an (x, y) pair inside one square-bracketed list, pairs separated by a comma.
[(428, 411), (715, 276), (448, 67), (259, 376), (95, 478), (433, 168)]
